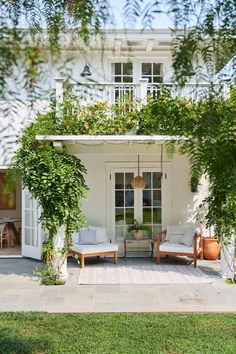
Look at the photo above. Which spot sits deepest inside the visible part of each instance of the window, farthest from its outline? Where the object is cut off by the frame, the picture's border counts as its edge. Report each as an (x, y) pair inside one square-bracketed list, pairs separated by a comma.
[(153, 72), (122, 72)]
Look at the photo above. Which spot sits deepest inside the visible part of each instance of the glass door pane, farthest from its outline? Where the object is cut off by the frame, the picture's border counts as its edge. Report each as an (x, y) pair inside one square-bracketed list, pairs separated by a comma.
[(124, 203), (31, 228), (152, 201)]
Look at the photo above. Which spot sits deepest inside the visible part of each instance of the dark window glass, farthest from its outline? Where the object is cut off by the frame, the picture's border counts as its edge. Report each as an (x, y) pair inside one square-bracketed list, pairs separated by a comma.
[(147, 198), (118, 79), (157, 69), (117, 68), (128, 179), (127, 69), (156, 180), (156, 215), (129, 198), (147, 176), (119, 181), (146, 69), (119, 216), (129, 216), (157, 198), (119, 198), (147, 216)]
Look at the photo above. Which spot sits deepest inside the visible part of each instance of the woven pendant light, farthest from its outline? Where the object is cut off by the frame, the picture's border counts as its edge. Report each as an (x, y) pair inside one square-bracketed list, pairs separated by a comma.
[(138, 182)]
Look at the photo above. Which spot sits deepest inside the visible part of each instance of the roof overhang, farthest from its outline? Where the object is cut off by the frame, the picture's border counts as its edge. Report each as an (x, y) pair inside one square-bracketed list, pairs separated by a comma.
[(110, 139)]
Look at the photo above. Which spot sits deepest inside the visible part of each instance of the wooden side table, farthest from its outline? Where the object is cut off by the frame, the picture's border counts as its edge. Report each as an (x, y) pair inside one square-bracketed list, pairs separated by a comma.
[(131, 241)]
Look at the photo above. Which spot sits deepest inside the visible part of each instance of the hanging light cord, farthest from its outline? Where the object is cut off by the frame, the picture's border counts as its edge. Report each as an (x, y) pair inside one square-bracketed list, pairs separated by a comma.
[(138, 165), (161, 161)]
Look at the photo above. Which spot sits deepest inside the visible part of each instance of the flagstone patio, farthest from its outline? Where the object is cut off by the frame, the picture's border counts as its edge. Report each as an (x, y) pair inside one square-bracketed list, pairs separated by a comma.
[(20, 290)]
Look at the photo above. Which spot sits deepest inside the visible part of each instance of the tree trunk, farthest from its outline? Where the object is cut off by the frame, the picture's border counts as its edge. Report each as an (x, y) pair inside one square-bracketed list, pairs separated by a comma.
[(60, 260), (227, 258)]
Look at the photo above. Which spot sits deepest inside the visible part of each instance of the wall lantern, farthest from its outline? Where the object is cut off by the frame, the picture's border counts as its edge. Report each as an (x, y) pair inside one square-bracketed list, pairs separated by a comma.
[(194, 184), (86, 71), (138, 182)]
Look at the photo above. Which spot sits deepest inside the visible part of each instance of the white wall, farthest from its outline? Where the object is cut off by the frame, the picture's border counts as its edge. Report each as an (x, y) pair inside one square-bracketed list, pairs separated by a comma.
[(183, 203)]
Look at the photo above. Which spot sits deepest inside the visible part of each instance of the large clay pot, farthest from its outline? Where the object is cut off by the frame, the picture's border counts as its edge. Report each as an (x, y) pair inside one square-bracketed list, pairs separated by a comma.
[(211, 248), (138, 234)]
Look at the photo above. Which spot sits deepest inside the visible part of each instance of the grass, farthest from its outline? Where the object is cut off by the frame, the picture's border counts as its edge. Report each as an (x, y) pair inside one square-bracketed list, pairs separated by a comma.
[(117, 333)]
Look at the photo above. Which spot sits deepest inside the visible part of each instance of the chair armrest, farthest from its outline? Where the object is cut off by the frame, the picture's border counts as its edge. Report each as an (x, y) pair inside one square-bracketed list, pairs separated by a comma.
[(195, 239), (159, 235)]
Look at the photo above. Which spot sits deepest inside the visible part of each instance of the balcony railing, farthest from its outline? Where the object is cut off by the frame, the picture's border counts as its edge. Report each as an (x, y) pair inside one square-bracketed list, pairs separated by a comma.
[(124, 94)]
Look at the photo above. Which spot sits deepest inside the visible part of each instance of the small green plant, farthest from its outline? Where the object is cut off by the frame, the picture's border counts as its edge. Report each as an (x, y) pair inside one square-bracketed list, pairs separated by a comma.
[(136, 226)]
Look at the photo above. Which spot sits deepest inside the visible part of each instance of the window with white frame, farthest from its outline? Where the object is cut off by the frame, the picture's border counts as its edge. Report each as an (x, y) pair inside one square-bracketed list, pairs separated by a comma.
[(153, 72), (122, 72)]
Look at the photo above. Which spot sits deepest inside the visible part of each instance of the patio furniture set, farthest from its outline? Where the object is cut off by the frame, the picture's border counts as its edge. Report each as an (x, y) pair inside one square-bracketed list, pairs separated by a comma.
[(174, 241)]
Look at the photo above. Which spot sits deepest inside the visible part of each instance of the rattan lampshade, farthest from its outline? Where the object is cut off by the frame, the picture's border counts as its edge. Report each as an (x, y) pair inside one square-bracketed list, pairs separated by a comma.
[(138, 182)]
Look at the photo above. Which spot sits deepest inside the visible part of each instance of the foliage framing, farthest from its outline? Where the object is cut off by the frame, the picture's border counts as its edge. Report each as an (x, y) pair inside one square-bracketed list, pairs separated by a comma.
[(210, 125), (56, 180)]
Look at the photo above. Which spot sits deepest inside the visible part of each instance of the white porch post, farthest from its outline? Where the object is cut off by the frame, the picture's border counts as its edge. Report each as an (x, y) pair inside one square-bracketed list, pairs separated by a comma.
[(59, 94), (59, 89), (143, 90), (227, 258)]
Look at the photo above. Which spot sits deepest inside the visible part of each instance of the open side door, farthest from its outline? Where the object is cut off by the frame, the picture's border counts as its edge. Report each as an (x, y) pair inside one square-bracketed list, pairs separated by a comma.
[(31, 227)]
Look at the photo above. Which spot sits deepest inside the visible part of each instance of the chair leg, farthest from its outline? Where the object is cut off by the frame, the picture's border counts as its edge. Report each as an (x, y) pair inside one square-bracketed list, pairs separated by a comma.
[(115, 258), (201, 255), (195, 261), (158, 257), (82, 261)]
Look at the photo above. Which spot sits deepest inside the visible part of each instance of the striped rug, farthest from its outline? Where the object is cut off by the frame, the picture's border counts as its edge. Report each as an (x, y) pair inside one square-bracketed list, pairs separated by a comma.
[(142, 274)]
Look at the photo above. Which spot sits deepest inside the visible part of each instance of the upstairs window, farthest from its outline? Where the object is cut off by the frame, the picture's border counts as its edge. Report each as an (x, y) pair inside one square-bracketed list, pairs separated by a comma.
[(122, 72), (153, 72)]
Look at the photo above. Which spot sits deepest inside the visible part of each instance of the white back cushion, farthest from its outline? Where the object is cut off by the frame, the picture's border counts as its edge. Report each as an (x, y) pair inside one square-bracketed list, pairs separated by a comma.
[(75, 237), (175, 233), (101, 233), (88, 237), (187, 238)]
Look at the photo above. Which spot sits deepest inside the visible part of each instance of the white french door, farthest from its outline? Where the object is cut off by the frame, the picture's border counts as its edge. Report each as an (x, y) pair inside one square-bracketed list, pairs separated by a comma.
[(149, 205), (31, 228)]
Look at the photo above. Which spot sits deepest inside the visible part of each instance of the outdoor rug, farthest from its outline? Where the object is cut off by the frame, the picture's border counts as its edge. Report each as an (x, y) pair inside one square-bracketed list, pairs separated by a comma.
[(142, 274)]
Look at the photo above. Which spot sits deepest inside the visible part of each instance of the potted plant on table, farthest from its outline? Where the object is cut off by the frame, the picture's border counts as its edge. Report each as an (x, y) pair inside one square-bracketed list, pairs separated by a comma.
[(138, 229)]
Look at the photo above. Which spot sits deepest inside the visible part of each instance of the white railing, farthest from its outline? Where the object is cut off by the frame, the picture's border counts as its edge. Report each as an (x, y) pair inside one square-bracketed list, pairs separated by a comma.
[(126, 93)]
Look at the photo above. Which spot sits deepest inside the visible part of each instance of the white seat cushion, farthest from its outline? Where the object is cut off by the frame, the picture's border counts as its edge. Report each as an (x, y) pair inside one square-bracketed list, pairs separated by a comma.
[(175, 247), (101, 247)]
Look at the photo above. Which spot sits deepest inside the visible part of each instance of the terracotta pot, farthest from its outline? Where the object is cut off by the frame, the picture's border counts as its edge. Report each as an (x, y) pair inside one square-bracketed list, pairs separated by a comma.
[(211, 248), (138, 234)]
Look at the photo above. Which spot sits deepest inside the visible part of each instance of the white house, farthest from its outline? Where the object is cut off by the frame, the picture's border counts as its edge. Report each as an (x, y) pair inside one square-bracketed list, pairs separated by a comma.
[(134, 62)]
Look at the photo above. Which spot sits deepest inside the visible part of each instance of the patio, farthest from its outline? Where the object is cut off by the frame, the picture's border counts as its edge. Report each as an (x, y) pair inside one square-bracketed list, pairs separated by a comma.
[(21, 291)]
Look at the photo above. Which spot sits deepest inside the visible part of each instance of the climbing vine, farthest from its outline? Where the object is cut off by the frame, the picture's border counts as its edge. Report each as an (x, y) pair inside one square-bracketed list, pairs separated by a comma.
[(56, 179)]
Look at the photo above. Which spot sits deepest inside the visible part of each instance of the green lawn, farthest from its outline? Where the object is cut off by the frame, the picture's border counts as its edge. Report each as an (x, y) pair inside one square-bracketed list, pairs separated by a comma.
[(117, 333)]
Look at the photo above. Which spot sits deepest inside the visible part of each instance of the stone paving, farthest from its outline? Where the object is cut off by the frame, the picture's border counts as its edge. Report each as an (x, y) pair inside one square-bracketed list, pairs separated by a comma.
[(20, 290)]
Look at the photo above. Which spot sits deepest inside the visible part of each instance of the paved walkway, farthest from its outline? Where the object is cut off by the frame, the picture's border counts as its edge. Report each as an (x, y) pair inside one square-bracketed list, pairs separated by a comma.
[(21, 291)]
